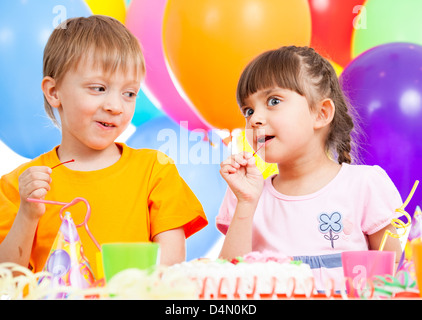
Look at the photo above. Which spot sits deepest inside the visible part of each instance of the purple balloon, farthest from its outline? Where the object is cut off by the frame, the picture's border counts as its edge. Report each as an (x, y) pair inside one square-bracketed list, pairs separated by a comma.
[(58, 263), (384, 84)]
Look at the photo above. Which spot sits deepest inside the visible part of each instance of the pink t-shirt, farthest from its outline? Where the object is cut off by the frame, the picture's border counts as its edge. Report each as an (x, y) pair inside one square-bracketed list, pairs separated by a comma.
[(317, 227)]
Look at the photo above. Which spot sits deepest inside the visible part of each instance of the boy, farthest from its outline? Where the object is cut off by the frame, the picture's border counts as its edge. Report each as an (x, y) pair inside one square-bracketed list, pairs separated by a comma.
[(93, 68)]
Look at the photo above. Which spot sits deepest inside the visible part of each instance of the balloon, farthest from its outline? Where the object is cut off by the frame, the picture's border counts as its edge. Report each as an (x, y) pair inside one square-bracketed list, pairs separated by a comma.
[(144, 110), (267, 169), (144, 19), (58, 263), (24, 30), (209, 42), (111, 8), (386, 21), (385, 86), (332, 27), (198, 162), (337, 68)]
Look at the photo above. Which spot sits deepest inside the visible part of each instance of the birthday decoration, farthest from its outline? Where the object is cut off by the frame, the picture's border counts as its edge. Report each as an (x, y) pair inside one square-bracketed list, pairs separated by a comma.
[(112, 8), (402, 285), (407, 263), (208, 43), (195, 52), (24, 30), (144, 20), (333, 23), (66, 262), (387, 21), (397, 222), (145, 109), (384, 84)]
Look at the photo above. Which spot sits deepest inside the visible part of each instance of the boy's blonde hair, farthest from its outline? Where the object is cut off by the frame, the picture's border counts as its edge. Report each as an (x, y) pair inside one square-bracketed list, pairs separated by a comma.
[(112, 45)]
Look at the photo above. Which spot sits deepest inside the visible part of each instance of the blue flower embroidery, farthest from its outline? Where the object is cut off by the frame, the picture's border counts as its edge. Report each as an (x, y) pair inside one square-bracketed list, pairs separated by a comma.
[(329, 224)]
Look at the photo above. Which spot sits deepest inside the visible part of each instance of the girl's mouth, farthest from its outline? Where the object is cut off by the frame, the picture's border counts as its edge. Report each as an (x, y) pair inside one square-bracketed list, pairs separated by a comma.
[(264, 139), (261, 142)]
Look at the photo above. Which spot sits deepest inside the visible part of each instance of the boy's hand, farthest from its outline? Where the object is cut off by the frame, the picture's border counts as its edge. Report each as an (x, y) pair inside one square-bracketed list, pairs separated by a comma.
[(34, 182), (243, 177)]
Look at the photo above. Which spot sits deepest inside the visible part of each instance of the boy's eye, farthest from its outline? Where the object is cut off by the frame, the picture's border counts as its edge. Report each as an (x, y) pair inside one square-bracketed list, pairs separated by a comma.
[(130, 94), (273, 101), (98, 88), (247, 112)]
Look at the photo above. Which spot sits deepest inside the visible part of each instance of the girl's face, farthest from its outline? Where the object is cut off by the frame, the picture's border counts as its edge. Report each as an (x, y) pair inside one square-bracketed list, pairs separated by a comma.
[(280, 123), (95, 107)]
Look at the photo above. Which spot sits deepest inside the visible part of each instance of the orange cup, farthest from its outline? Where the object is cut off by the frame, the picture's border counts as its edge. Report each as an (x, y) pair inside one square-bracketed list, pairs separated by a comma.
[(417, 260)]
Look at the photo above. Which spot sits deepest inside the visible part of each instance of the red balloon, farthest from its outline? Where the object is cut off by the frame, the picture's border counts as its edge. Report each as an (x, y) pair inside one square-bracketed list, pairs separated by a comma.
[(332, 27)]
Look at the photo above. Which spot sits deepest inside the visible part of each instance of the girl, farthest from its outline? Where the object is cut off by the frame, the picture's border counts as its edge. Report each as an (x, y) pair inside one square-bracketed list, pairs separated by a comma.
[(318, 205)]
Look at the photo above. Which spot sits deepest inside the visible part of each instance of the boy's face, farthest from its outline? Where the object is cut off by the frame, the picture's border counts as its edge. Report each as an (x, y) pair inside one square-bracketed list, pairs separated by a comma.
[(95, 107)]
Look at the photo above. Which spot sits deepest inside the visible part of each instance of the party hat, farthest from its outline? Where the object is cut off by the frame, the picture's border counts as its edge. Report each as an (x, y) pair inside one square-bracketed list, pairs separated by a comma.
[(66, 261)]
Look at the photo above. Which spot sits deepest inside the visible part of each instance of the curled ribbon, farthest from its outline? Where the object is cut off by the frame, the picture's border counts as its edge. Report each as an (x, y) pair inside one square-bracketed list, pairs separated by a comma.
[(397, 223), (389, 286)]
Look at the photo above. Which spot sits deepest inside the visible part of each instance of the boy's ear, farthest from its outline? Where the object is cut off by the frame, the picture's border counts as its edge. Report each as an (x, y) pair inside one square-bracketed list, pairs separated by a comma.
[(49, 87), (324, 113)]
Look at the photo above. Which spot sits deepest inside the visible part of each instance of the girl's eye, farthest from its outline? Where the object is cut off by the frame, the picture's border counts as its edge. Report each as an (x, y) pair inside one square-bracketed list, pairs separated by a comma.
[(247, 112), (273, 101)]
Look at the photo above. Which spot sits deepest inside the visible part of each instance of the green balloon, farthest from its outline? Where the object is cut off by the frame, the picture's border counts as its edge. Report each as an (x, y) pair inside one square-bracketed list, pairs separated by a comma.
[(385, 21)]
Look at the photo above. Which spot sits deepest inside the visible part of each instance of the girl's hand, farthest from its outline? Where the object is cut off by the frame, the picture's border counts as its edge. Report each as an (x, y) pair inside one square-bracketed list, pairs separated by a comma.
[(243, 177), (34, 182)]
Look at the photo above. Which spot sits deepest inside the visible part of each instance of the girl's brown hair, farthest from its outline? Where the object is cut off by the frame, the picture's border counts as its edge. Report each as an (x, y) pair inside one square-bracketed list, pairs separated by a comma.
[(304, 71), (112, 45)]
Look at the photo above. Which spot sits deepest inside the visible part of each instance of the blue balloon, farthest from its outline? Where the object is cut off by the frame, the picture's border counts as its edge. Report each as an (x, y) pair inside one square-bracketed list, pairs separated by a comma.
[(24, 30), (198, 162), (145, 110)]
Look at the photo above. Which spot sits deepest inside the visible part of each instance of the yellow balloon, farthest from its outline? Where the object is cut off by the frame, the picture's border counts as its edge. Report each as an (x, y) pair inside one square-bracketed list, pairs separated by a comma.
[(337, 68), (111, 8), (242, 144)]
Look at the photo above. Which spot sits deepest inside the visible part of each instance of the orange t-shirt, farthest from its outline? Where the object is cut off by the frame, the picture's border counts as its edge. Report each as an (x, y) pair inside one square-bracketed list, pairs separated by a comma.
[(133, 200)]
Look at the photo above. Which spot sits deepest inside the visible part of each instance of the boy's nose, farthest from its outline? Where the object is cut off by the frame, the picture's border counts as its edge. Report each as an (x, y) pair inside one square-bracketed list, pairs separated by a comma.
[(113, 104)]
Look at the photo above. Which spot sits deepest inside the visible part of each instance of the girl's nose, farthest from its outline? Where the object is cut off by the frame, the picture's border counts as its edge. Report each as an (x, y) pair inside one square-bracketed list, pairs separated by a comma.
[(258, 118)]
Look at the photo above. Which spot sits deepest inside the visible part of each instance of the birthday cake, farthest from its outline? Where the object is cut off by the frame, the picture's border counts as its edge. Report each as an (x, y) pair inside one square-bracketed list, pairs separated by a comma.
[(253, 276)]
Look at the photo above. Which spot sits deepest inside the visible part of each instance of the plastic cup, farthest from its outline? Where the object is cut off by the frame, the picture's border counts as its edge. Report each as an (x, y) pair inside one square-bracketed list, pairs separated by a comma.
[(120, 256), (416, 246), (361, 266)]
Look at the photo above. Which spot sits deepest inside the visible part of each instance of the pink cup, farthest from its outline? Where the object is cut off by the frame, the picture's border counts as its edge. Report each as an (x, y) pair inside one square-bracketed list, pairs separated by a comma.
[(359, 266)]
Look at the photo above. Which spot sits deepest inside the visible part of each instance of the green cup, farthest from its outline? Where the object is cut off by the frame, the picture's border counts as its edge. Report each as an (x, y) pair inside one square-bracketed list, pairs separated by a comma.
[(121, 256)]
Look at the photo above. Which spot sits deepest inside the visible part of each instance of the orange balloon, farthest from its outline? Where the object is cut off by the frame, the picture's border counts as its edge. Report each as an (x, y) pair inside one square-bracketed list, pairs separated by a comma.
[(208, 43)]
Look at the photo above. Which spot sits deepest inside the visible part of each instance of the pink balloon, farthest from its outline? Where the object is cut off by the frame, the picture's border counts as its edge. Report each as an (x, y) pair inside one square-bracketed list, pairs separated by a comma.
[(144, 19)]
